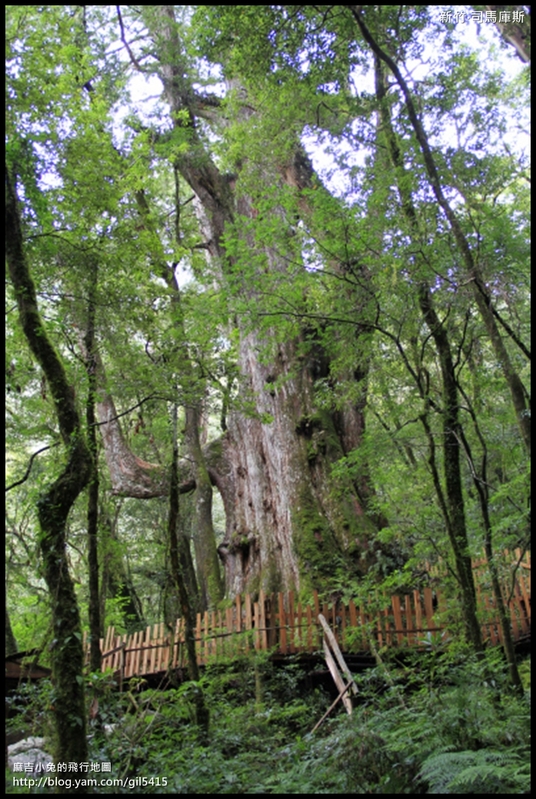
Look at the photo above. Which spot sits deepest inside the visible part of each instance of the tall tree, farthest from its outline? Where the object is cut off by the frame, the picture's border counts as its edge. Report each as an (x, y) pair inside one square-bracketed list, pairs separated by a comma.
[(55, 502)]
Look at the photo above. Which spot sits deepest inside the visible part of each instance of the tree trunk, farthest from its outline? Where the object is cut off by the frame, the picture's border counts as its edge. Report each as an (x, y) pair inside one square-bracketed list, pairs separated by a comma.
[(54, 507), (187, 612), (456, 525), (95, 626)]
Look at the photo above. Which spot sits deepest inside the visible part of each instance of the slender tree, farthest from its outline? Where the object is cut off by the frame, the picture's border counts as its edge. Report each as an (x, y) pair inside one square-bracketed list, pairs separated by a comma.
[(55, 502)]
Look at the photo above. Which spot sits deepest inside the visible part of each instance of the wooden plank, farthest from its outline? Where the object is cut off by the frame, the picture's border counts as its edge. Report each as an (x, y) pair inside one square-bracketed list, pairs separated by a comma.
[(269, 615), (114, 663), (129, 656), (387, 626), (238, 622), (158, 647), (262, 612), (256, 625), (300, 629), (418, 614), (333, 704), (125, 658), (110, 638), (169, 640), (248, 618), (291, 622), (210, 634), (138, 653), (311, 630), (146, 650), (121, 667), (409, 620), (146, 635), (282, 624), (152, 661), (329, 636), (429, 607), (397, 616), (220, 639), (160, 666), (155, 652), (230, 640), (109, 644), (379, 632), (337, 679)]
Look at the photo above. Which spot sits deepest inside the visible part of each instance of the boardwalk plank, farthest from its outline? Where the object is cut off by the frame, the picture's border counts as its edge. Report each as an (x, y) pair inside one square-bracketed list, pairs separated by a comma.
[(291, 622), (397, 615), (248, 619), (283, 644)]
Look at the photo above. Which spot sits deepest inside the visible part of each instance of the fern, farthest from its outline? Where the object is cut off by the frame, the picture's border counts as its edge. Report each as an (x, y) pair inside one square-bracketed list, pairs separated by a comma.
[(486, 771)]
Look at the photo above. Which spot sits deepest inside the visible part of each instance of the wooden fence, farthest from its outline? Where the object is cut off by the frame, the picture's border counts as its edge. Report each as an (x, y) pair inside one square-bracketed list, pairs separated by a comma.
[(285, 625)]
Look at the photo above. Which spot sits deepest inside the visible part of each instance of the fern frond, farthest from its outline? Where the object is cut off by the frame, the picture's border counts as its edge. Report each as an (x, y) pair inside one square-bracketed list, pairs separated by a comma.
[(484, 771)]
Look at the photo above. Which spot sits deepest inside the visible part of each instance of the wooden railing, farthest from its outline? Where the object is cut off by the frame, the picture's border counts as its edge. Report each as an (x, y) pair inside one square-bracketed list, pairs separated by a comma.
[(281, 623)]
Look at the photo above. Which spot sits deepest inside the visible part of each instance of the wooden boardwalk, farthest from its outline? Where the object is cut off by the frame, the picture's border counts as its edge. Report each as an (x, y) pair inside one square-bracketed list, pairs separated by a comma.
[(284, 625)]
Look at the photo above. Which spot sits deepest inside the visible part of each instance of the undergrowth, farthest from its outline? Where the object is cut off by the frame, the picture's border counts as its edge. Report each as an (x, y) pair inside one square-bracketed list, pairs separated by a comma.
[(438, 724)]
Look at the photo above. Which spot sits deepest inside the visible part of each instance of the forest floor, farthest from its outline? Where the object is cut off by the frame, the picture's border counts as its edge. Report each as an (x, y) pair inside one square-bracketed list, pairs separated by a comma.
[(444, 723)]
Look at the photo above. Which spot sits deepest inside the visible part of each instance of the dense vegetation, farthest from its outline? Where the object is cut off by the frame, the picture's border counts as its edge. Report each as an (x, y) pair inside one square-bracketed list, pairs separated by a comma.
[(268, 325), (436, 725)]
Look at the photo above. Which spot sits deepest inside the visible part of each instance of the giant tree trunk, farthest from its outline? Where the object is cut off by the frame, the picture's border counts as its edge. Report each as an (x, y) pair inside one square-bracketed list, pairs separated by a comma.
[(284, 528)]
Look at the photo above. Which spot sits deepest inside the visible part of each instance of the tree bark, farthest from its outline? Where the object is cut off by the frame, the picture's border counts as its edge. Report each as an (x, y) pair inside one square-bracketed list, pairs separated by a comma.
[(54, 506)]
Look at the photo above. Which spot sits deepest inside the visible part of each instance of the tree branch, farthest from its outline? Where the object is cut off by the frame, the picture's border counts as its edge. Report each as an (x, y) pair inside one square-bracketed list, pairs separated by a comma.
[(30, 463)]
